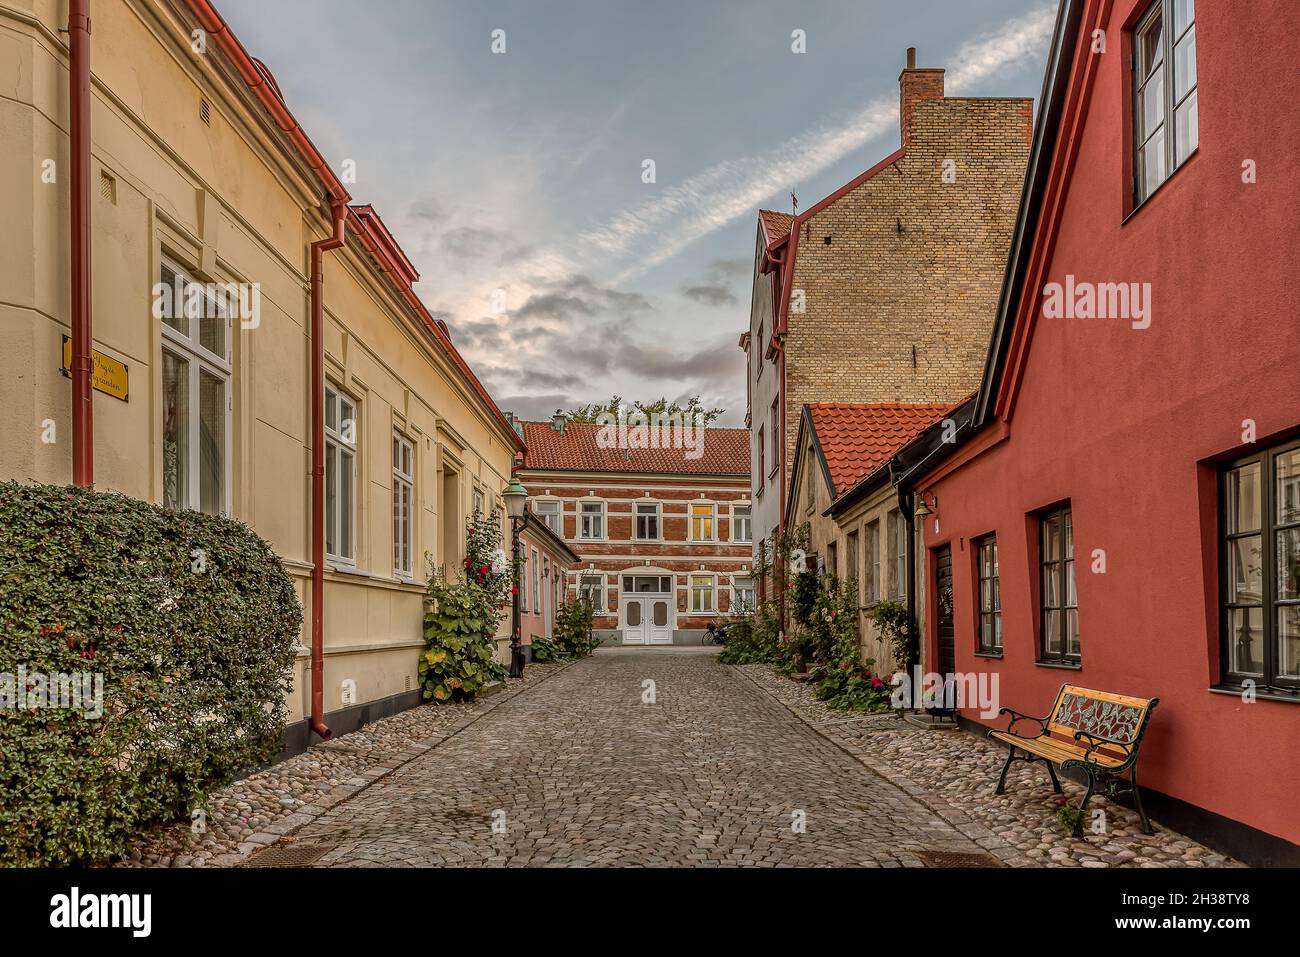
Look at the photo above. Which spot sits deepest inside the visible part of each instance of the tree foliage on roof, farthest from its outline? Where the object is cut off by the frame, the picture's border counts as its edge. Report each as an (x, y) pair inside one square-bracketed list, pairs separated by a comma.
[(692, 408)]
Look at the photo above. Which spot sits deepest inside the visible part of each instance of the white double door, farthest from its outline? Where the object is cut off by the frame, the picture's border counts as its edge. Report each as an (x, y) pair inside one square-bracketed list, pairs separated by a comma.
[(648, 619)]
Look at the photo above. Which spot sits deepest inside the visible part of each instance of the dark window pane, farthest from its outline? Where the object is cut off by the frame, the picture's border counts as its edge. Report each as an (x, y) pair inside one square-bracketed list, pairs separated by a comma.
[(1288, 641), (1287, 562), (1244, 504), (1151, 47), (1245, 571), (212, 444), (1246, 641), (1288, 487), (176, 430)]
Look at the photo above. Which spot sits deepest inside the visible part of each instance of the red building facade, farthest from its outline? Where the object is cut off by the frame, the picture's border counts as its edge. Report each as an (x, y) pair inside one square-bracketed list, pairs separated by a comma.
[(662, 534), (1131, 476)]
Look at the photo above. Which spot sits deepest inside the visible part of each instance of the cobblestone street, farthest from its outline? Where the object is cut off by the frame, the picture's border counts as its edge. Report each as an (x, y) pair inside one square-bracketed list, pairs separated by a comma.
[(579, 771)]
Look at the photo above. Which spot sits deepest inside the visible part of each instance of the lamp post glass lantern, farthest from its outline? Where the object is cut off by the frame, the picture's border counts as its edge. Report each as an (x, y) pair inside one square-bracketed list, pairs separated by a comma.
[(516, 497)]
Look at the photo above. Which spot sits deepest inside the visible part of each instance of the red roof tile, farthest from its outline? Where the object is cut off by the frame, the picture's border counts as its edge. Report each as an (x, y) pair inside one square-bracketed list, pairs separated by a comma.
[(856, 439), (775, 225), (725, 452)]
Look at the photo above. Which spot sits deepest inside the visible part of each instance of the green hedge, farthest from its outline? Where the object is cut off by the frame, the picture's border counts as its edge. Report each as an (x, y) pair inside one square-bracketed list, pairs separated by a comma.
[(192, 623)]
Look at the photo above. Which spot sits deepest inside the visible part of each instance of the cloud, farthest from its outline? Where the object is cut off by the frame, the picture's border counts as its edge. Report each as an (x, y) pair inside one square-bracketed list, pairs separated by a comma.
[(733, 188), (710, 294), (718, 285), (536, 407), (578, 295)]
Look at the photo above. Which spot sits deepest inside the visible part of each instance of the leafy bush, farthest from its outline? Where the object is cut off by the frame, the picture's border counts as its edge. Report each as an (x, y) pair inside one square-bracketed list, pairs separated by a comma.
[(460, 626), (848, 687), (753, 639), (486, 563), (190, 621), (544, 649), (891, 618), (573, 635)]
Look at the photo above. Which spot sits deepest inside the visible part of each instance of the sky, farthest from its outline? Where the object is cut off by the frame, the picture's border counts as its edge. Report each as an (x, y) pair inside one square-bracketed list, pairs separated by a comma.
[(516, 181)]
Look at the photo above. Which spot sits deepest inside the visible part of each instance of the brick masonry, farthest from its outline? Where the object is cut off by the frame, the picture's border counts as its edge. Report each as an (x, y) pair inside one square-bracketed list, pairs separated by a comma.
[(899, 277)]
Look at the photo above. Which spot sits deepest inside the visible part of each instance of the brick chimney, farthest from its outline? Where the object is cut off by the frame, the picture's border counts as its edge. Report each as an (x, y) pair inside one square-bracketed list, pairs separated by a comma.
[(916, 86)]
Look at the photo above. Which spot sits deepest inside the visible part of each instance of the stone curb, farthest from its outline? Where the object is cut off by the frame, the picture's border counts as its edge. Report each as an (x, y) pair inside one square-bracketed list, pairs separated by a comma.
[(283, 830)]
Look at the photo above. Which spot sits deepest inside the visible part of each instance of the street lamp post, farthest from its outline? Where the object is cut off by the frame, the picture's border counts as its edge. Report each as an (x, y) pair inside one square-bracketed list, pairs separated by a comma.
[(516, 497)]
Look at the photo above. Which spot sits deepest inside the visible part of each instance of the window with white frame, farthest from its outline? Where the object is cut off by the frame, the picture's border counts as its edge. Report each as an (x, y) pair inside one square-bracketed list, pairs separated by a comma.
[(702, 593), (592, 589), (403, 504), (478, 502), (537, 584), (702, 515), (647, 522), (549, 512), (741, 525), (196, 333), (340, 476), (523, 579), (742, 594), (591, 523)]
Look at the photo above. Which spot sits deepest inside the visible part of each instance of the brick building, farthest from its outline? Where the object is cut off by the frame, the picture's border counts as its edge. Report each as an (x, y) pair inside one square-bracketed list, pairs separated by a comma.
[(663, 538), (884, 291)]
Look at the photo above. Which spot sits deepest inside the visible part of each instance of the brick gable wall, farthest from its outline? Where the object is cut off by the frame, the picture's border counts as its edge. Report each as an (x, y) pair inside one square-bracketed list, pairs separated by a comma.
[(899, 306)]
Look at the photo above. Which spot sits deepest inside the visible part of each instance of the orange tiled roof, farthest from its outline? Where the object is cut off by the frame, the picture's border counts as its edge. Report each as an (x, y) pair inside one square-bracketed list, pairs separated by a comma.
[(856, 439), (775, 225), (725, 452)]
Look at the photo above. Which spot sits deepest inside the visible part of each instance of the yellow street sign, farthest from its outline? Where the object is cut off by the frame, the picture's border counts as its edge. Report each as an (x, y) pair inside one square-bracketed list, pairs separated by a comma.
[(109, 376)]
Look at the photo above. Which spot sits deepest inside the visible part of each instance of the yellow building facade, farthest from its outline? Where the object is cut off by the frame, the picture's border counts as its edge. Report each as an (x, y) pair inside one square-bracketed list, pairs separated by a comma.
[(196, 186)]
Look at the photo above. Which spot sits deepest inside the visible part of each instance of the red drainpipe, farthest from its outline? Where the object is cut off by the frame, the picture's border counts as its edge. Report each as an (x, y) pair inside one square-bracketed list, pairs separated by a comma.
[(339, 209), (83, 403)]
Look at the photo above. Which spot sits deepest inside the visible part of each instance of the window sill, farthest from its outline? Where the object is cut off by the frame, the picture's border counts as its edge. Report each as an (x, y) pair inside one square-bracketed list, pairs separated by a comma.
[(991, 654), (1156, 192), (1266, 694), (1063, 665), (347, 570)]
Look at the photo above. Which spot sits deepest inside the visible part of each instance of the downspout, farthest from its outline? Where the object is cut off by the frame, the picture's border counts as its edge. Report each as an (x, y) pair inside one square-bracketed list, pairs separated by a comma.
[(339, 210), (906, 505), (83, 407)]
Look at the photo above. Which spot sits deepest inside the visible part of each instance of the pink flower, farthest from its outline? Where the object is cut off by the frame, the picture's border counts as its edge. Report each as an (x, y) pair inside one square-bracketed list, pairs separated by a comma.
[(877, 683)]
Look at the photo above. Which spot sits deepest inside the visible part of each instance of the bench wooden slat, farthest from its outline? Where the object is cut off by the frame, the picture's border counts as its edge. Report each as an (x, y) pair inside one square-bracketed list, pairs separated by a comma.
[(1056, 750)]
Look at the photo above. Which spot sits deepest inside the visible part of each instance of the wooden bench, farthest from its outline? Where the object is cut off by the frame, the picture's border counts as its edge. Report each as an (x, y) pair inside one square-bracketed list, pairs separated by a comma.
[(1096, 731)]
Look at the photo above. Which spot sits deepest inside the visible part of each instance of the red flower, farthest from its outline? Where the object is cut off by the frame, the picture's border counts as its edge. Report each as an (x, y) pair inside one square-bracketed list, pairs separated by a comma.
[(514, 589), (877, 683), (483, 570), (467, 563)]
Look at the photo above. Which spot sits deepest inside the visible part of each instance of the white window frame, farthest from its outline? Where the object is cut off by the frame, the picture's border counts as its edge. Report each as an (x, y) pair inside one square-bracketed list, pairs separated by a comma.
[(523, 578), (544, 517), (596, 588), (199, 359), (583, 517), (339, 444), (658, 519), (736, 591), (404, 481), (713, 522), (749, 525), (537, 584), (713, 592)]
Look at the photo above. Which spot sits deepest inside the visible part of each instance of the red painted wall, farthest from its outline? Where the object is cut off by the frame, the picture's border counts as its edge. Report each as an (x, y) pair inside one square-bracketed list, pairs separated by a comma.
[(1124, 423)]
